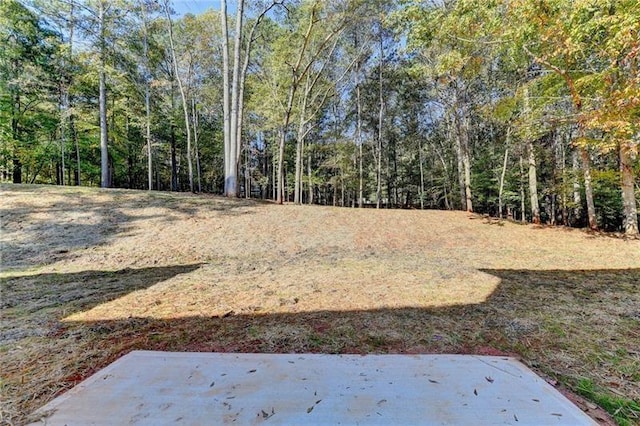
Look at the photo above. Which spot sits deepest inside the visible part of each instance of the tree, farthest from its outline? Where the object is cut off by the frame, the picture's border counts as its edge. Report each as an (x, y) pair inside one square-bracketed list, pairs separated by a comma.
[(28, 71), (183, 96)]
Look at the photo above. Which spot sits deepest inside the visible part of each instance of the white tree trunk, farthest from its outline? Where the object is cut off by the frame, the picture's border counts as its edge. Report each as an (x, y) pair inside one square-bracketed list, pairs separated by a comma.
[(359, 139), (183, 96), (466, 162), (234, 150), (380, 129), (628, 193), (533, 178), (105, 181), (226, 112), (588, 188), (147, 96), (194, 117), (504, 171)]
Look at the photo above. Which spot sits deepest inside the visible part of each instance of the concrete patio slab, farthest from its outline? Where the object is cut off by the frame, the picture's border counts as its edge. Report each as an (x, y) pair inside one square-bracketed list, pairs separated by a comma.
[(155, 388)]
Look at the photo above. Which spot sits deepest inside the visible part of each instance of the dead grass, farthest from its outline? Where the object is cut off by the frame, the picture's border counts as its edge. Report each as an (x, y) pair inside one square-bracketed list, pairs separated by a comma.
[(88, 275)]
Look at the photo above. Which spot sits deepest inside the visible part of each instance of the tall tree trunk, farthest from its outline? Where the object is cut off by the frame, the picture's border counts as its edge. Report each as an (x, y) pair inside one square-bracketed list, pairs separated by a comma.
[(130, 156), (297, 196), (584, 154), (533, 178), (72, 130), (628, 194), (229, 185), (234, 148), (194, 117), (466, 162), (64, 112), (238, 142), (523, 217), (455, 135), (147, 95), (309, 177), (359, 136), (420, 158), (562, 159), (174, 160), (533, 184), (282, 139), (380, 126), (504, 171), (274, 187), (577, 199), (298, 72), (104, 155), (588, 188), (183, 96)]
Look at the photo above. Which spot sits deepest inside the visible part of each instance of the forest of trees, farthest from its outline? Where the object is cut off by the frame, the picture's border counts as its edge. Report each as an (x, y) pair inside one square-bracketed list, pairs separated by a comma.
[(512, 108)]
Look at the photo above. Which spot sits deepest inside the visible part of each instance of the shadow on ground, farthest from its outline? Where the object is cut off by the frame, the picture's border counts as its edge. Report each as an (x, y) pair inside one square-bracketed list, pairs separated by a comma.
[(70, 218), (31, 302), (571, 325)]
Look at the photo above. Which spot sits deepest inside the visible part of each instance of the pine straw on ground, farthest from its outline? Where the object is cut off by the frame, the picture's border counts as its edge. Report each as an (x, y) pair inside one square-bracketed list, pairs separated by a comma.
[(89, 275)]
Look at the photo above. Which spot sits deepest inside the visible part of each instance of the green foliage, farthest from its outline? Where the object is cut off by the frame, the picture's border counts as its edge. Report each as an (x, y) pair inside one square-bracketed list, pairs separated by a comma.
[(624, 411), (608, 200)]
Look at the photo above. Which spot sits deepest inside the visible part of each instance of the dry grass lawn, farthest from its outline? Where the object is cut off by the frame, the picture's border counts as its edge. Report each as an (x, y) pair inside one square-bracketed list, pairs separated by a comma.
[(89, 275)]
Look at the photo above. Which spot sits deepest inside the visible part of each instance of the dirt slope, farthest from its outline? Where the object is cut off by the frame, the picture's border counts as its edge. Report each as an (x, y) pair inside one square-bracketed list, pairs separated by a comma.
[(89, 274)]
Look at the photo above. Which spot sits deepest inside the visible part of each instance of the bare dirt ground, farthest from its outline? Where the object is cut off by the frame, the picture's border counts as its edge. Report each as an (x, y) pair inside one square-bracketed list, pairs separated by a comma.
[(89, 275)]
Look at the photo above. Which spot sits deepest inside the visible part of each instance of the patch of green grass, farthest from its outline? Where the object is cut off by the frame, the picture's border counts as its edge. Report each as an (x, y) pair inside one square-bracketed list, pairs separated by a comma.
[(253, 332), (626, 412), (554, 327)]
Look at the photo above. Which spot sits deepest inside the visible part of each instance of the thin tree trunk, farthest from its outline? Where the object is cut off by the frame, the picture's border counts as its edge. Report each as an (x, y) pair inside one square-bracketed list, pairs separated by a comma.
[(247, 176), (420, 157), (77, 145), (147, 96), (522, 195), (309, 177), (628, 194), (194, 117), (298, 73), (563, 172), (183, 96), (577, 199), (360, 172), (104, 155), (584, 154), (466, 162), (281, 145), (63, 131), (297, 196), (533, 184), (504, 171), (380, 124), (447, 204), (243, 73), (274, 167), (72, 130), (234, 148), (226, 110), (174, 160), (341, 188), (533, 179), (588, 188), (455, 135)]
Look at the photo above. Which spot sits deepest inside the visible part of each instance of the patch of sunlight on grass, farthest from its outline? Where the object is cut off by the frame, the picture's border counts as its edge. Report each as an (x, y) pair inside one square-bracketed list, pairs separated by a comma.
[(355, 285)]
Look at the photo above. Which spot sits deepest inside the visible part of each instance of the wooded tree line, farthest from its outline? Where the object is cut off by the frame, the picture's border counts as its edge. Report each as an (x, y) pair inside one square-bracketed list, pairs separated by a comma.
[(527, 110)]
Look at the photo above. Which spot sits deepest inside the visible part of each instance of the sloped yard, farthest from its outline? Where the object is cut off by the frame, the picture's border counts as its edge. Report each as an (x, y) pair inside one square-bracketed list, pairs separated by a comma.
[(89, 275)]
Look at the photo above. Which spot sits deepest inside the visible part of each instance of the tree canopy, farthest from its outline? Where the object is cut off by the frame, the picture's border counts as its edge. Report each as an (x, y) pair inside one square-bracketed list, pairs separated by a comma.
[(519, 109)]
